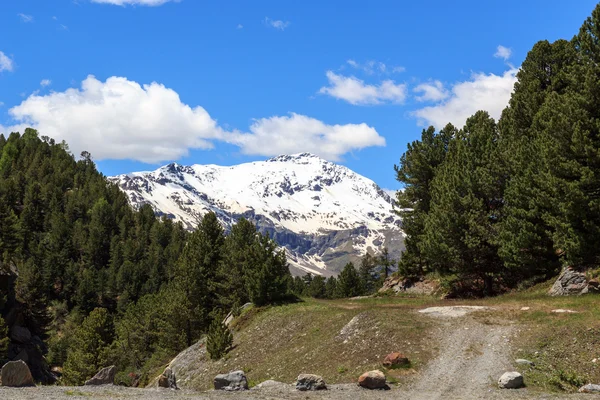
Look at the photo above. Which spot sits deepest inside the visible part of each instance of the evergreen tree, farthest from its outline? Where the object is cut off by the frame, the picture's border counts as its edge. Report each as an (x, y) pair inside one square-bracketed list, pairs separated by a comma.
[(317, 288), (348, 282), (88, 352), (219, 339), (367, 273), (331, 290), (267, 279), (197, 270), (417, 169)]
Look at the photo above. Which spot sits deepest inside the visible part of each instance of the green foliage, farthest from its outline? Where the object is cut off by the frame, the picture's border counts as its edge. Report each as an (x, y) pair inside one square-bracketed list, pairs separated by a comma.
[(267, 279), (88, 351), (4, 339), (348, 282), (219, 339), (502, 204)]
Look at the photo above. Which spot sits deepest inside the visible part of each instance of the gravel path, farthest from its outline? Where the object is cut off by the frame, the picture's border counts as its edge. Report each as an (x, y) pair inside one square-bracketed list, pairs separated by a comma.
[(471, 357)]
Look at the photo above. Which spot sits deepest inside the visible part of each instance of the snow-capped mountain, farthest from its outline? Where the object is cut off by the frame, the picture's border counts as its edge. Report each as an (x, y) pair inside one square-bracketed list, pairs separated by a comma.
[(324, 214)]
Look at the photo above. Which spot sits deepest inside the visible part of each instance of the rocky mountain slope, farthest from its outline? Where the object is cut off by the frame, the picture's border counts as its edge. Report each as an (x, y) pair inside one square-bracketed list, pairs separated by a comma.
[(324, 214)]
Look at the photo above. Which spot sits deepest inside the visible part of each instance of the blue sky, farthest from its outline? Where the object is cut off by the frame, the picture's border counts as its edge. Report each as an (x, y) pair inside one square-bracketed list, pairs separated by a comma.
[(140, 83)]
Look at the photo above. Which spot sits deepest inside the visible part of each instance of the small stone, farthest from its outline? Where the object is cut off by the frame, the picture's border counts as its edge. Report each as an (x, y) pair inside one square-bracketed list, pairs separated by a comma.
[(590, 388), (511, 380), (563, 311), (522, 361), (310, 382), (396, 360), (16, 374), (233, 381), (372, 380), (106, 376), (525, 308)]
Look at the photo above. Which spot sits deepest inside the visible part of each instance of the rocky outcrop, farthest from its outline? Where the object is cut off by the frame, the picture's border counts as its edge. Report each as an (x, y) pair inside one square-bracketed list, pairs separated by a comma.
[(511, 380), (372, 380), (396, 360), (16, 374), (106, 376), (572, 282), (167, 379), (233, 381), (396, 284), (310, 382)]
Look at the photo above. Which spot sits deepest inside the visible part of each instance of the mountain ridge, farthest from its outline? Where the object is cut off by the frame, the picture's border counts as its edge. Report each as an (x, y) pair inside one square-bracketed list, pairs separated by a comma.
[(323, 213)]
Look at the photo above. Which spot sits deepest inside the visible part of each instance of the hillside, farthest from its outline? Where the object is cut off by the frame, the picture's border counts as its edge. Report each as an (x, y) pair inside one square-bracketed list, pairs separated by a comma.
[(324, 214)]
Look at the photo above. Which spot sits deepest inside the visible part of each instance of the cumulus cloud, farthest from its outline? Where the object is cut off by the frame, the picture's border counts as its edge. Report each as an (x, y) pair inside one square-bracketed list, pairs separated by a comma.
[(357, 92), (25, 17), (6, 63), (487, 92), (299, 133), (45, 82), (431, 91), (121, 119), (503, 52), (277, 24), (151, 3)]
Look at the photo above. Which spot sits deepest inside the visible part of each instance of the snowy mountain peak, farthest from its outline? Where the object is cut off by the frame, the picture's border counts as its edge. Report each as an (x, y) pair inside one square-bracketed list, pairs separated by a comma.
[(299, 199)]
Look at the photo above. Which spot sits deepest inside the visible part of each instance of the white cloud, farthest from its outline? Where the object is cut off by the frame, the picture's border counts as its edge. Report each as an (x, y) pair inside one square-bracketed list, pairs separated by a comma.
[(482, 92), (431, 91), (299, 133), (25, 17), (355, 91), (6, 63), (503, 52), (121, 119), (371, 67), (135, 2), (277, 24), (240, 26), (45, 82)]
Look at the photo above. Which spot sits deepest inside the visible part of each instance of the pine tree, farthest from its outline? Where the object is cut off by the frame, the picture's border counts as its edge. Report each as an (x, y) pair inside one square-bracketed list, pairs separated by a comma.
[(317, 288), (89, 348), (367, 273), (196, 273), (348, 282), (219, 339), (331, 290), (267, 279), (416, 171)]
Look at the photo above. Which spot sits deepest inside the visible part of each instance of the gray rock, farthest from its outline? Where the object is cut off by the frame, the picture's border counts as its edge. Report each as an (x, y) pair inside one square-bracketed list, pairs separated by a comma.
[(568, 283), (310, 382), (271, 384), (20, 334), (511, 380), (235, 380), (372, 380), (590, 388), (167, 379), (522, 361), (106, 376), (16, 374)]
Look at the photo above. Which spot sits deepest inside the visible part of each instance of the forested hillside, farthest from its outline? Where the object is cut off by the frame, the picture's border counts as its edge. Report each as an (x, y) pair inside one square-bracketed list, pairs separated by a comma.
[(498, 204), (89, 282)]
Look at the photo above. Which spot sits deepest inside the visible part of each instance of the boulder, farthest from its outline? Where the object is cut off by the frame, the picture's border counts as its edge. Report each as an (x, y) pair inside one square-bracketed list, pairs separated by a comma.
[(511, 380), (20, 334), (235, 380), (590, 388), (396, 360), (403, 285), (106, 376), (16, 373), (167, 379), (310, 382), (372, 380), (569, 282)]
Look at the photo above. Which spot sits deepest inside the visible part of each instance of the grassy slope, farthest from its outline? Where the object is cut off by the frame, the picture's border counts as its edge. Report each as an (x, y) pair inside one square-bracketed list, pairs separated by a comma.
[(281, 342)]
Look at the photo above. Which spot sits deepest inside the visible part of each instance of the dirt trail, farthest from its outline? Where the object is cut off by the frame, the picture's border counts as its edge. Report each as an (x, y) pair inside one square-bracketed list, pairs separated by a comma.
[(472, 356)]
